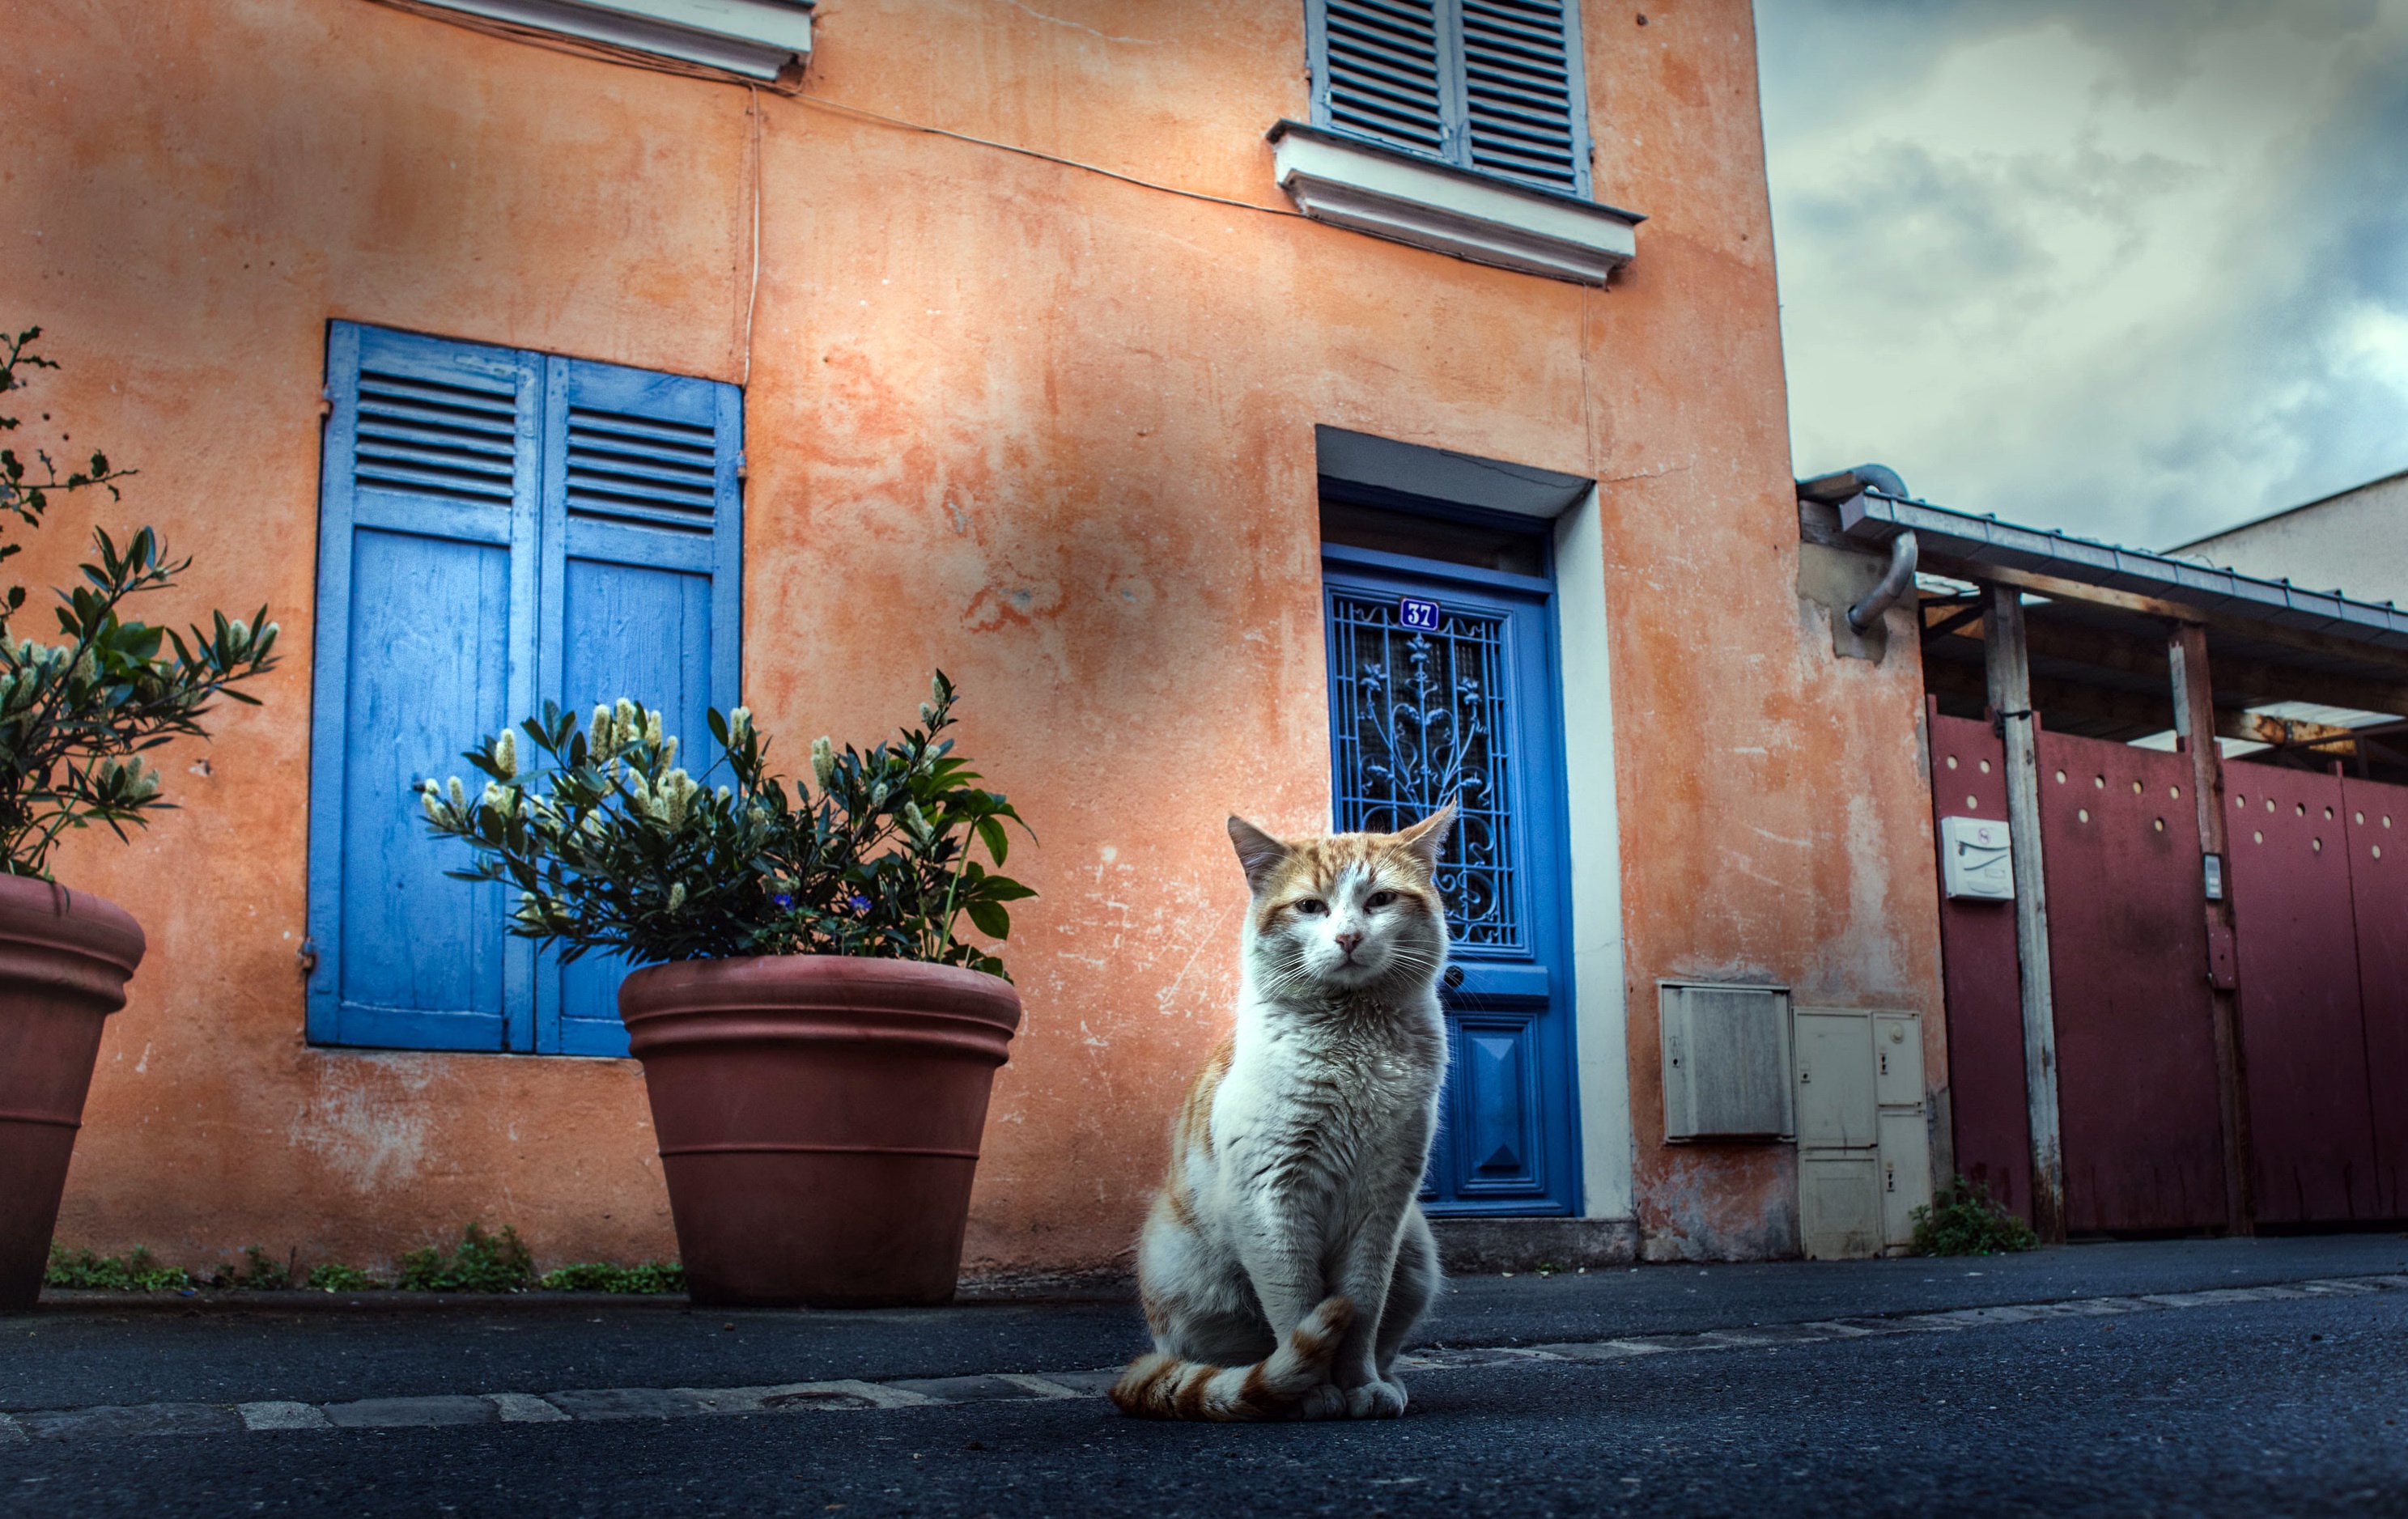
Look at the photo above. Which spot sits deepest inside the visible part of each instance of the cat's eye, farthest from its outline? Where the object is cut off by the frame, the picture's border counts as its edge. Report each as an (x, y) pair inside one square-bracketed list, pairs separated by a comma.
[(1312, 907), (1379, 899)]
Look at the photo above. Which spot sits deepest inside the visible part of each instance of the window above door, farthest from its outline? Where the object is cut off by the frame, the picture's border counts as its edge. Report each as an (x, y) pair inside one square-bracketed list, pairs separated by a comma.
[(1456, 126), (1490, 85)]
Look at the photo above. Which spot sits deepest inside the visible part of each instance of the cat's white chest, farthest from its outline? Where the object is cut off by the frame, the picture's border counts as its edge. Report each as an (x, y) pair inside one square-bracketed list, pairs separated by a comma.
[(1329, 1109)]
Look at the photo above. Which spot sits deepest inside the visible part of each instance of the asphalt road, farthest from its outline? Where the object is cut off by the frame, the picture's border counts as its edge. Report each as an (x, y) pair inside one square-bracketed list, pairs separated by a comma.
[(85, 1348), (2289, 1406)]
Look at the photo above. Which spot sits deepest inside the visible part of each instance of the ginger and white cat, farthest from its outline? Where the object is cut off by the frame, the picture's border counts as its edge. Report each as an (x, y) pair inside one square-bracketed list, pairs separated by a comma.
[(1286, 1259)]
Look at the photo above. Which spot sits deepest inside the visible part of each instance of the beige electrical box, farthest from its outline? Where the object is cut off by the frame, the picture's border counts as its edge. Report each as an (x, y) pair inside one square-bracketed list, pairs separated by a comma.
[(1905, 1154), (1726, 1061), (1898, 1060), (1839, 1204), (1835, 1079), (1864, 1150)]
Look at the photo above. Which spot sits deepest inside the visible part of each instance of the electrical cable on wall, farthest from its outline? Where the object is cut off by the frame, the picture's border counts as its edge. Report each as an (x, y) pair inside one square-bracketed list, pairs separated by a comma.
[(842, 108), (753, 292)]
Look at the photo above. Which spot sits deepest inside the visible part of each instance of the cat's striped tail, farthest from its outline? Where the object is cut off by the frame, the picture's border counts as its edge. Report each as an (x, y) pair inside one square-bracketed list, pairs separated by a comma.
[(1160, 1386)]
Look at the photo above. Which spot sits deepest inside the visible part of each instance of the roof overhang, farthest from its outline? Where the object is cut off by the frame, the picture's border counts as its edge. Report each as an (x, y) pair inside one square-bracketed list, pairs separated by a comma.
[(1980, 547)]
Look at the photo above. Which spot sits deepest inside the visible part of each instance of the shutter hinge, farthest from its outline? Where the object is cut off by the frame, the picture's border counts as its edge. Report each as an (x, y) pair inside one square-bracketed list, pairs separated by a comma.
[(308, 956)]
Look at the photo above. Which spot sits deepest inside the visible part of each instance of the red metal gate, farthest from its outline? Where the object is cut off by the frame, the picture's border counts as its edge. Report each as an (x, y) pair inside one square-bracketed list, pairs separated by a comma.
[(2376, 828), (1986, 1025), (2137, 1104), (2319, 875), (2143, 1140), (2303, 1035)]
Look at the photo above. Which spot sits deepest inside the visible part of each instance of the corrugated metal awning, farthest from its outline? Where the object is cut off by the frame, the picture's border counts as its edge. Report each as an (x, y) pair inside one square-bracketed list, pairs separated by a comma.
[(1976, 543)]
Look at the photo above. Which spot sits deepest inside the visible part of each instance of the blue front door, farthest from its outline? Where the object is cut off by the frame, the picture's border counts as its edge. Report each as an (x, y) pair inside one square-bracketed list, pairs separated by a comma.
[(1442, 684)]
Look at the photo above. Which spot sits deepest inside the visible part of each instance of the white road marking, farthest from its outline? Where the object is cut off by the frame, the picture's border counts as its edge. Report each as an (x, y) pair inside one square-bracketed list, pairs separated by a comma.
[(281, 1415), (851, 1394)]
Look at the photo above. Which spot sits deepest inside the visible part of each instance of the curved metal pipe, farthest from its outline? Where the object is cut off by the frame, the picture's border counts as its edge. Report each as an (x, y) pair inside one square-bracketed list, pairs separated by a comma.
[(1880, 478), (1904, 553)]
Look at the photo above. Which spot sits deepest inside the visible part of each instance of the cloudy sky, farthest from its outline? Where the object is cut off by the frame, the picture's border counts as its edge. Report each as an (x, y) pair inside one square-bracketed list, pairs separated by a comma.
[(2133, 268)]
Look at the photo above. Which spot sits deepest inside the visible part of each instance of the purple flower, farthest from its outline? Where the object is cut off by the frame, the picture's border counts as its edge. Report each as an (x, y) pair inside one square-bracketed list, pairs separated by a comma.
[(782, 902), (860, 903)]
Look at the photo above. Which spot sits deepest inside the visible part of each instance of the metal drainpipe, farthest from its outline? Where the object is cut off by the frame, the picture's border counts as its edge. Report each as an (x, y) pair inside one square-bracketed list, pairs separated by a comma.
[(1904, 552)]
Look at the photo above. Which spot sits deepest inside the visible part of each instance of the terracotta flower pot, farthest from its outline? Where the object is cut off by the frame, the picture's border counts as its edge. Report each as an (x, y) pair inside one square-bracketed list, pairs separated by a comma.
[(819, 1119), (64, 957)]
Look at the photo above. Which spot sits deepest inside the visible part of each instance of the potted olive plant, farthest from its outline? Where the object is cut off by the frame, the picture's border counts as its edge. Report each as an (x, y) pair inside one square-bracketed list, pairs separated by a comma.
[(78, 712), (818, 1040)]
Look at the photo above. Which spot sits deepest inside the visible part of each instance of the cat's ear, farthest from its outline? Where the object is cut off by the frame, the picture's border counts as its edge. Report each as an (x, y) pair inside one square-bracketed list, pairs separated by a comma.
[(1425, 840), (1258, 851)]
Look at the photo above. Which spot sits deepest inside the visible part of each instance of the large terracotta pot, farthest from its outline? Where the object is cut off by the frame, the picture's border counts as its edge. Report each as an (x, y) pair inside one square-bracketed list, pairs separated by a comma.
[(819, 1119), (64, 957)]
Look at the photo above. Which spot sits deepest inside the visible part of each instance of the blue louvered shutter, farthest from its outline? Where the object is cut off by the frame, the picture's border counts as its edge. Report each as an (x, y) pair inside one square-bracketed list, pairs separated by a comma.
[(1524, 114), (426, 639), (642, 585), (1492, 85), (1380, 68)]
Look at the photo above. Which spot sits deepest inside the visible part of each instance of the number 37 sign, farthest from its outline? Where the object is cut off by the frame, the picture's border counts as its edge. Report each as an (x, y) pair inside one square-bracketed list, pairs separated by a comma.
[(1417, 615)]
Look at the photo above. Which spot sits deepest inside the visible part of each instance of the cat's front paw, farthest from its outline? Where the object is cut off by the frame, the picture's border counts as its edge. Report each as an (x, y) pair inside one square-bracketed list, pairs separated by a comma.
[(1327, 1401), (1376, 1401)]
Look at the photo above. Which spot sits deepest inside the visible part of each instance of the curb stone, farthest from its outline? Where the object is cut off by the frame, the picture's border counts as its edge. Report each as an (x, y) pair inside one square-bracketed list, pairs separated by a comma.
[(600, 1404)]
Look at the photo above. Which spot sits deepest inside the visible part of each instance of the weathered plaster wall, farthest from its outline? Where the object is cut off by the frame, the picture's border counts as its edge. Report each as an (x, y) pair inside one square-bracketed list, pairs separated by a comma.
[(1049, 429), (1775, 827)]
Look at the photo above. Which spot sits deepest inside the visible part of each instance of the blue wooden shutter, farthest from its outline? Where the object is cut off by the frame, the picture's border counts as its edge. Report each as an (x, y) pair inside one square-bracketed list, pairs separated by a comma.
[(1525, 116), (1493, 85), (425, 640), (643, 535), (1382, 69)]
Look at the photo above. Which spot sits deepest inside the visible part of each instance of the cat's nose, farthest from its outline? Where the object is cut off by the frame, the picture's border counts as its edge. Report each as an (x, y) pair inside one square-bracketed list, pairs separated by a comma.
[(1346, 944)]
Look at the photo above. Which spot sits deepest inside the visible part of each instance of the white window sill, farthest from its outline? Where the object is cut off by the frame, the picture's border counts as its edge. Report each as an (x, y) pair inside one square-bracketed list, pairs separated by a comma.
[(1350, 183), (753, 38)]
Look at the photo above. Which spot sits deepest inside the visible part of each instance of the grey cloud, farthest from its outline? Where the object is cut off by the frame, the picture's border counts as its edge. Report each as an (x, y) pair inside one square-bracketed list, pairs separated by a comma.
[(2157, 40), (2245, 399), (1923, 231)]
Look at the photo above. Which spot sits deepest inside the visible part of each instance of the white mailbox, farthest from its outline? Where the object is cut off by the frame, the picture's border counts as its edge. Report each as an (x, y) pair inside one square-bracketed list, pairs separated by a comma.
[(1974, 861)]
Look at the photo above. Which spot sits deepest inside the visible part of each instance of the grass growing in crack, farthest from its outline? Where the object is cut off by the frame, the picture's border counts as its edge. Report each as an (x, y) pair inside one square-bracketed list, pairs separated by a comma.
[(1963, 1219), (597, 1276), (137, 1272), (481, 1263), (336, 1277), (260, 1272)]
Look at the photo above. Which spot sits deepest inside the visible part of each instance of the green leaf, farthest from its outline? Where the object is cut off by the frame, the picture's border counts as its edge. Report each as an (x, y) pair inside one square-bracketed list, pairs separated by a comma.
[(991, 833), (991, 919)]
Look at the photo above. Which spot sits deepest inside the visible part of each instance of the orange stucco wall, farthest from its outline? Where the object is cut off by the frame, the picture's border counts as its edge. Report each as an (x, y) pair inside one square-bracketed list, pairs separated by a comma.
[(1046, 428)]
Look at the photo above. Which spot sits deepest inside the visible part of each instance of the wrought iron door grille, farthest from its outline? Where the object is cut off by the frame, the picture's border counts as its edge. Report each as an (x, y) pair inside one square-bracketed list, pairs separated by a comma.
[(1420, 717)]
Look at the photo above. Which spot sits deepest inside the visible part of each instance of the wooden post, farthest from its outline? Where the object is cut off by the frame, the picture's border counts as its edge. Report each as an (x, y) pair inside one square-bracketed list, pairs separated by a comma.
[(2010, 681), (2195, 721)]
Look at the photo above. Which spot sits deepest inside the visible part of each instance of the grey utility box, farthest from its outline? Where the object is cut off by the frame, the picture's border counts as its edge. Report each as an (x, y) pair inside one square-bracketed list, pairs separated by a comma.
[(1726, 1061), (1864, 1158)]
